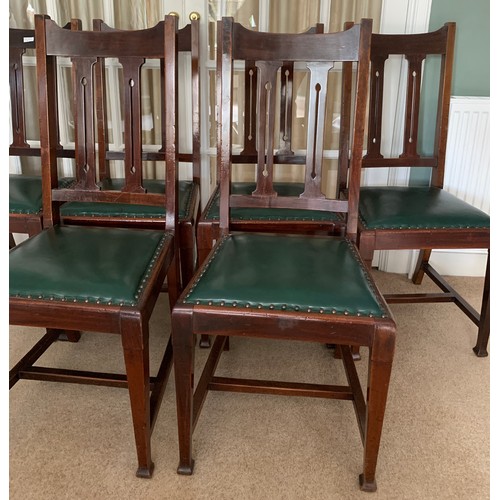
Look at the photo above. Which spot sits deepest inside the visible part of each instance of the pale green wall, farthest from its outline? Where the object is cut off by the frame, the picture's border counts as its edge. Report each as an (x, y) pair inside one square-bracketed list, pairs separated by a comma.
[(471, 75), (471, 68)]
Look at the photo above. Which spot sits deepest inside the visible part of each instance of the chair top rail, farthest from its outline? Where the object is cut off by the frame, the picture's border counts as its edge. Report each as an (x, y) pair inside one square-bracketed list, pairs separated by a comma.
[(255, 46), (117, 43), (434, 42)]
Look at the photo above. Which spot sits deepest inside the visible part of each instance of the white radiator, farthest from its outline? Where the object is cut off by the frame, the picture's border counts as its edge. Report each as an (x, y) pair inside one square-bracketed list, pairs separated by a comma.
[(467, 171), (467, 176)]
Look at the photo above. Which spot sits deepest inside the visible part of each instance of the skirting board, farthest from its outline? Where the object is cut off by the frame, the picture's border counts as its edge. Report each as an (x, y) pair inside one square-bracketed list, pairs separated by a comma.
[(463, 262), (459, 262)]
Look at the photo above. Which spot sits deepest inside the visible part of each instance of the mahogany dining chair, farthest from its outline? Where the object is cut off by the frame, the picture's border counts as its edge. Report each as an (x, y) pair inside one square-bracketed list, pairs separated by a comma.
[(286, 286), (94, 277)]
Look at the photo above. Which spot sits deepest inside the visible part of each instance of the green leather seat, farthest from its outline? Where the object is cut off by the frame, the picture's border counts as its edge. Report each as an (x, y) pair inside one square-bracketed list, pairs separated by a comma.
[(263, 214), (417, 208), (25, 193), (186, 192), (85, 264), (287, 272)]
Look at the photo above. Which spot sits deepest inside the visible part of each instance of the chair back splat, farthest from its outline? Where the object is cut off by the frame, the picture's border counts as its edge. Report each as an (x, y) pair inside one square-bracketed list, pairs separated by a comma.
[(94, 45), (286, 285), (93, 277), (265, 195), (284, 151), (416, 48), (19, 41), (418, 217), (268, 64)]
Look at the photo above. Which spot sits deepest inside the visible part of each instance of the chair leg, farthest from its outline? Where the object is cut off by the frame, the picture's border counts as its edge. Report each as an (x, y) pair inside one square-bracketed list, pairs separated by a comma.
[(34, 226), (423, 258), (204, 341), (173, 284), (204, 242), (484, 321), (187, 265), (183, 342), (366, 246), (187, 254), (68, 335), (379, 374), (135, 341), (204, 245), (337, 354)]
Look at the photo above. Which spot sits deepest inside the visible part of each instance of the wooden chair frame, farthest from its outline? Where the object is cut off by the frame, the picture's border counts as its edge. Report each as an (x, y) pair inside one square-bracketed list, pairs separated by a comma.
[(128, 321), (190, 317), (415, 47)]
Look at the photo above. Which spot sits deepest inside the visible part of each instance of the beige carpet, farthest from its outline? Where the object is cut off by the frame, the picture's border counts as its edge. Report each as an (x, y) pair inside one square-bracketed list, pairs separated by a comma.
[(76, 442)]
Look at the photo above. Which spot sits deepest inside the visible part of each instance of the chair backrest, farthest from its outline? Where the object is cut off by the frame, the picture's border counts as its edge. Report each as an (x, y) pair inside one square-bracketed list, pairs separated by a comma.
[(415, 48), (317, 53), (85, 48), (188, 41), (285, 107), (20, 40)]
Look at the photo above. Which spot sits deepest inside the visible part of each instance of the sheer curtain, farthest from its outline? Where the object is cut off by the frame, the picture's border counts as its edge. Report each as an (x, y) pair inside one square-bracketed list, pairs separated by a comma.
[(293, 16), (347, 10), (126, 14)]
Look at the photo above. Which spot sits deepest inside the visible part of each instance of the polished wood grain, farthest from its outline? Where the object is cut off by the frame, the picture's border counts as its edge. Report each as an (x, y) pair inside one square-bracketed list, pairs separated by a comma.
[(129, 322), (221, 321), (415, 48)]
